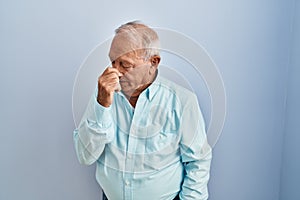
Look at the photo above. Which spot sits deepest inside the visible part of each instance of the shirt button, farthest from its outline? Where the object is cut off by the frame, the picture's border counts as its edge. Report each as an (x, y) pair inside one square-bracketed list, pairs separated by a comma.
[(133, 129), (129, 156), (127, 183)]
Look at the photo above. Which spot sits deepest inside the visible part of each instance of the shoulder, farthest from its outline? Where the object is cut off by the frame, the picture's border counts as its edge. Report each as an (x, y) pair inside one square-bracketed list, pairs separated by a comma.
[(182, 94)]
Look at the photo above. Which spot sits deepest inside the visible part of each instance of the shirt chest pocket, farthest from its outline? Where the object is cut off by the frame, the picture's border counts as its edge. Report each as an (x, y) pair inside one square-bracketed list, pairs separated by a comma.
[(162, 132), (157, 123)]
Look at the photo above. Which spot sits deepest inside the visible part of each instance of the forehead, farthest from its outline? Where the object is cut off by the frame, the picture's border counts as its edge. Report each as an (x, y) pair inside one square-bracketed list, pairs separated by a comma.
[(123, 46)]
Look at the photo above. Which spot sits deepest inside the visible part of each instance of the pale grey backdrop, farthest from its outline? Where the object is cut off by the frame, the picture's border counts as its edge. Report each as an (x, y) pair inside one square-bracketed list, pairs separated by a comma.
[(291, 160), (254, 43)]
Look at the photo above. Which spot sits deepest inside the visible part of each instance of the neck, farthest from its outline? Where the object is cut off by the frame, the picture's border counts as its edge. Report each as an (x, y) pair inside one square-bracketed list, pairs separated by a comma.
[(133, 101), (133, 97)]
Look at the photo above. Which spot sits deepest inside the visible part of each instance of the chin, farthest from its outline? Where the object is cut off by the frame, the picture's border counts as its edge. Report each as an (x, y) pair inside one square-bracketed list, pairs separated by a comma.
[(128, 92)]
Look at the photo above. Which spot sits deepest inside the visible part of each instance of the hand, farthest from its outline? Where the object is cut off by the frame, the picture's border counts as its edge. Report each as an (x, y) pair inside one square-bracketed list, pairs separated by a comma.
[(108, 83)]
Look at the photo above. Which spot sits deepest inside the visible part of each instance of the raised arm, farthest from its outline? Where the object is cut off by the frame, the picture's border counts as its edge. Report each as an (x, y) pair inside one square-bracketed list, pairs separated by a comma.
[(96, 127), (93, 133)]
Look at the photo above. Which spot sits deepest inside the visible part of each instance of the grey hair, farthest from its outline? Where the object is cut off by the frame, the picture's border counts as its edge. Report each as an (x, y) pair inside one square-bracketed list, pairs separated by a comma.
[(142, 36)]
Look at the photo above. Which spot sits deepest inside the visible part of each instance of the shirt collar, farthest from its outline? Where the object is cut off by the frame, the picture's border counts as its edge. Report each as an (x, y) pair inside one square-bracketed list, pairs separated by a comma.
[(153, 88)]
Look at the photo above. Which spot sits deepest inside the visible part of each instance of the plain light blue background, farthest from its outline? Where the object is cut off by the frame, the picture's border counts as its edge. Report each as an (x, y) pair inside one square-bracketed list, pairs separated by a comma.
[(254, 43), (291, 161)]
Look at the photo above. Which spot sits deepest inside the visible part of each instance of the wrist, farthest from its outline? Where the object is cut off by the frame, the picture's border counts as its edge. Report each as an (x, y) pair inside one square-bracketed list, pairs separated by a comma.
[(103, 103)]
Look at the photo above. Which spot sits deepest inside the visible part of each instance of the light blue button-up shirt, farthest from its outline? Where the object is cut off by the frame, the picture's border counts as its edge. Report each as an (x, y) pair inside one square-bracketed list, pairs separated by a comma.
[(153, 151)]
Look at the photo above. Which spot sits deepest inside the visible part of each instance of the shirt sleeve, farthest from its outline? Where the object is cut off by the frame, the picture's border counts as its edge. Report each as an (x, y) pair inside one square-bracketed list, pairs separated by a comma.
[(94, 132), (195, 153)]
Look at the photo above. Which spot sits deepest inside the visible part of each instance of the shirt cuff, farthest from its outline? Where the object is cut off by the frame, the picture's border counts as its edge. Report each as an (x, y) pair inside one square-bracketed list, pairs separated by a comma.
[(103, 114)]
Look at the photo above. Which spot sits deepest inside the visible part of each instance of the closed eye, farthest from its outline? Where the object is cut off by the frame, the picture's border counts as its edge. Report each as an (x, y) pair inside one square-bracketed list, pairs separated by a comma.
[(126, 65)]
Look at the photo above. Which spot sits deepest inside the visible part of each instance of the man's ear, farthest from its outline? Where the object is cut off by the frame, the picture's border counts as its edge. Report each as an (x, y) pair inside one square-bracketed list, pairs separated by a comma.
[(155, 61)]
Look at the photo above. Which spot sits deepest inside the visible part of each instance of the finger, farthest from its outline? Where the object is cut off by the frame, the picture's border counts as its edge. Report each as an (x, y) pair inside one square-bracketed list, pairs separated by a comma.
[(112, 70), (108, 89), (112, 86), (109, 78), (118, 87)]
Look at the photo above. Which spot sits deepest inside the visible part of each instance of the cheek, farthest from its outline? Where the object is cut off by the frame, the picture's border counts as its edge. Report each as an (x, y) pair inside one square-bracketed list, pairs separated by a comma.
[(137, 75), (131, 79)]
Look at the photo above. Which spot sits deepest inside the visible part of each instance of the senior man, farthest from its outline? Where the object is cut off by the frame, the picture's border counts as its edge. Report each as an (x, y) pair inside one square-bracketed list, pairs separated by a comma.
[(145, 133)]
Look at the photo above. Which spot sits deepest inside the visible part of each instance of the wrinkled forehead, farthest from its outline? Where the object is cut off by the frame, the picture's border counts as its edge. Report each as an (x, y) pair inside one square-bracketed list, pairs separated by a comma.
[(122, 44)]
